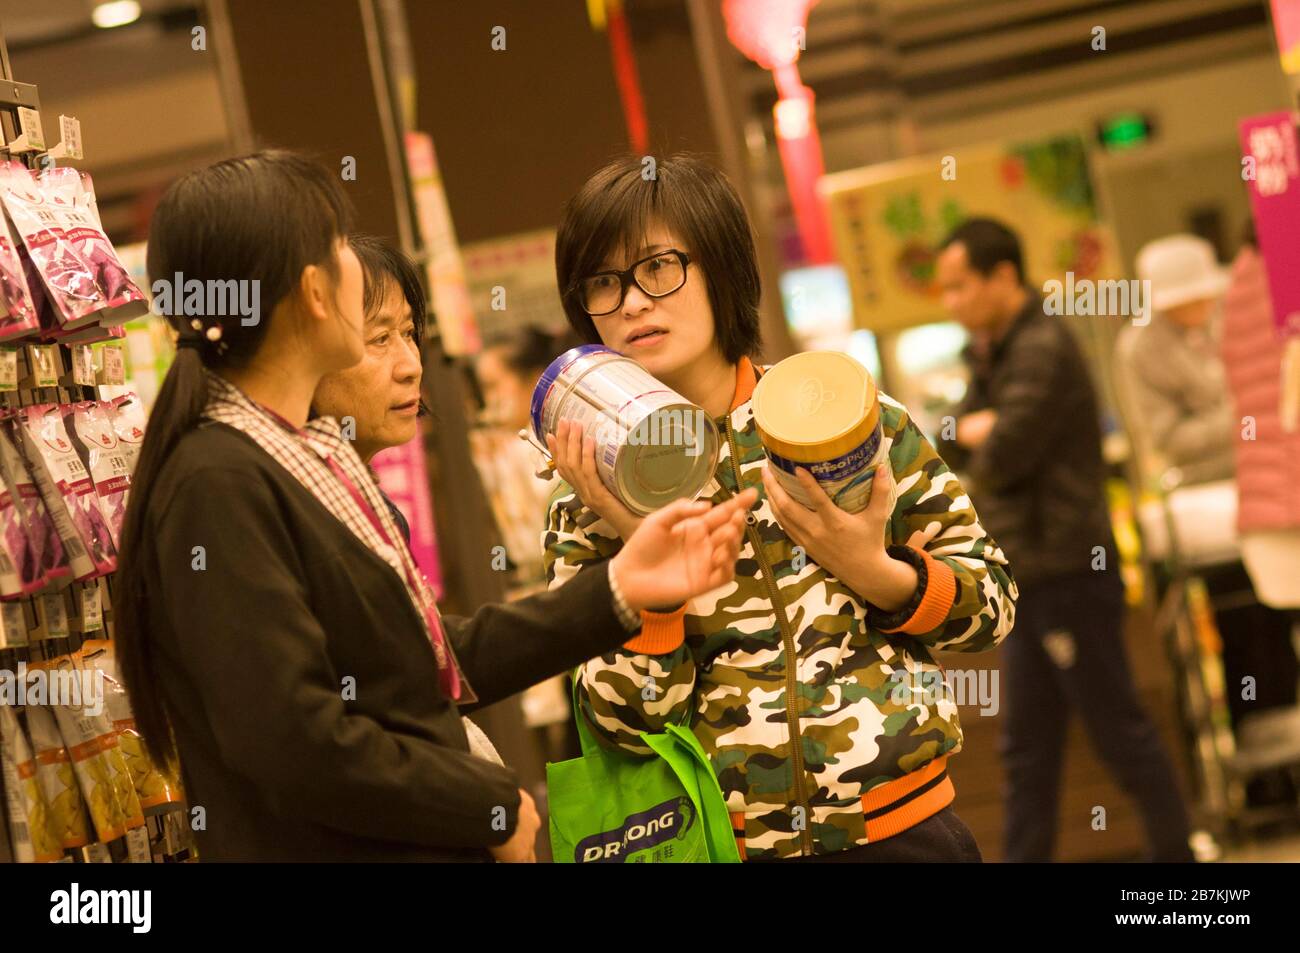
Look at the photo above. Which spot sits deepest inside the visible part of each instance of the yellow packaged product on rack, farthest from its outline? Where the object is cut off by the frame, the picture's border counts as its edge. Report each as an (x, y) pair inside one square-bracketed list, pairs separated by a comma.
[(819, 410), (156, 787), (96, 755), (31, 833), (67, 817)]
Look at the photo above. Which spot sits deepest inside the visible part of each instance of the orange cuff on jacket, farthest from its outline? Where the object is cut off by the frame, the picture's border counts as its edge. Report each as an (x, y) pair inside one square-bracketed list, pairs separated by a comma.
[(940, 591), (661, 632)]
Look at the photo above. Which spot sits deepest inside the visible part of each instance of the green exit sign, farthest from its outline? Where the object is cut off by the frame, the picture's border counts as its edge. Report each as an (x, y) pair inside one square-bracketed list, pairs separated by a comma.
[(1124, 131)]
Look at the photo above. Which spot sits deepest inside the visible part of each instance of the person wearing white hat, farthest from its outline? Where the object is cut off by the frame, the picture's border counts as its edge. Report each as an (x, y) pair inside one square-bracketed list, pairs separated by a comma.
[(1184, 408), (1172, 363)]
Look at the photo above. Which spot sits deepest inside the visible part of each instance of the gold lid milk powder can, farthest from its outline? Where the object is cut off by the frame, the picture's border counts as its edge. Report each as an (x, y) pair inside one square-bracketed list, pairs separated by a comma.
[(819, 410), (653, 446)]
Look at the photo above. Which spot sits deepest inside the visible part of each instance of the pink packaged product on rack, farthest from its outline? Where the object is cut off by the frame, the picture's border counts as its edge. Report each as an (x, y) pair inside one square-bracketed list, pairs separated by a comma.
[(32, 543), (90, 425), (69, 279), (18, 315), (125, 300), (47, 322), (15, 552), (87, 335), (68, 491), (128, 416)]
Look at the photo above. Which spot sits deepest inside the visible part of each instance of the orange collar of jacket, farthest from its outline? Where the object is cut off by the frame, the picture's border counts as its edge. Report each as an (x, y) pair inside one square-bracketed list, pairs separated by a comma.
[(746, 378)]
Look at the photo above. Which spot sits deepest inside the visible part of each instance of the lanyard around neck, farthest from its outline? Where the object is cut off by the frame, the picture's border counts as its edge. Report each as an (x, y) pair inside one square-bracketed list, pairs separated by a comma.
[(447, 673)]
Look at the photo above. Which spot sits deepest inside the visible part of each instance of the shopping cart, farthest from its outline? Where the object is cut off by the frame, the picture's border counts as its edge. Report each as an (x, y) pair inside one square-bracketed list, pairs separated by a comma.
[(1189, 531)]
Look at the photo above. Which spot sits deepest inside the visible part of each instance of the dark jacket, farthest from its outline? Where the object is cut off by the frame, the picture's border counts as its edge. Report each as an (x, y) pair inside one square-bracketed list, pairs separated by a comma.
[(1038, 481), (398, 516), (303, 689)]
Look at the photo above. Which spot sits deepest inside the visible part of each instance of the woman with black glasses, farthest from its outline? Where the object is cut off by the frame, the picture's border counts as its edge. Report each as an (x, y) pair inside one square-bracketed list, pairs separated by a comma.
[(810, 679)]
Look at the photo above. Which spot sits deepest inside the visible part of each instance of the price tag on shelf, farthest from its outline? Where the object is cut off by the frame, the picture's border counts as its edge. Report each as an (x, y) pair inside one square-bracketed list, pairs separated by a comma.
[(97, 854), (92, 608), (45, 364), (114, 367), (13, 625), (83, 365), (137, 846), (70, 134), (54, 616), (8, 368), (33, 136)]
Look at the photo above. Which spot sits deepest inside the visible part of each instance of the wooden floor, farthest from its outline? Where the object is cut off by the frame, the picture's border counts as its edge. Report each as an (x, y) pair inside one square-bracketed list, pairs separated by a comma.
[(977, 770)]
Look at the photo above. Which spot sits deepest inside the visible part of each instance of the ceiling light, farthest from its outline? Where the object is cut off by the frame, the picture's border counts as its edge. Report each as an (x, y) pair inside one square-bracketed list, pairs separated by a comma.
[(116, 13)]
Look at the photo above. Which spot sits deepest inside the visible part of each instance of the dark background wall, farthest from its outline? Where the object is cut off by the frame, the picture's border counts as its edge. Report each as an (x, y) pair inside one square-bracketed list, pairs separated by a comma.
[(518, 131), (318, 96)]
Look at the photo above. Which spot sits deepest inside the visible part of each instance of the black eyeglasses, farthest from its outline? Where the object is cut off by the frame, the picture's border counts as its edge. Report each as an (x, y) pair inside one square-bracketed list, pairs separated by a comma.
[(657, 275)]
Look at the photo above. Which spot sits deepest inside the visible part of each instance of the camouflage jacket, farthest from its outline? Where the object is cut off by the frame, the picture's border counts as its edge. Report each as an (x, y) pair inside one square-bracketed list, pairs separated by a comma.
[(844, 746)]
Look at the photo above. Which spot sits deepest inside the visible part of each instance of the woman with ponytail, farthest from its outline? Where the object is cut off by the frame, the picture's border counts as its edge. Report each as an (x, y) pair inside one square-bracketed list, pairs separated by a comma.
[(275, 635)]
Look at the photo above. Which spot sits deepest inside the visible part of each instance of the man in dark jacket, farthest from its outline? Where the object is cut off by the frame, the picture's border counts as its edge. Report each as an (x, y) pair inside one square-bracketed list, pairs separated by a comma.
[(1027, 434)]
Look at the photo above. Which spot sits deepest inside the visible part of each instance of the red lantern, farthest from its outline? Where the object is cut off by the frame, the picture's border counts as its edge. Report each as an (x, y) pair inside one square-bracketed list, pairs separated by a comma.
[(608, 15), (769, 32), (772, 34)]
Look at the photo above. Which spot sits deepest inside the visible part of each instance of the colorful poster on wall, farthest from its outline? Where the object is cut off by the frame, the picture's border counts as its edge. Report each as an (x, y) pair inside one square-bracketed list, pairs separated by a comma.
[(1271, 167), (512, 283), (887, 221), (451, 305), (403, 477)]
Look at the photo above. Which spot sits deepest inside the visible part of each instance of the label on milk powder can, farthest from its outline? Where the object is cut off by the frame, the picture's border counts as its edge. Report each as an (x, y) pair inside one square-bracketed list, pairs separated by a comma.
[(819, 410), (652, 445)]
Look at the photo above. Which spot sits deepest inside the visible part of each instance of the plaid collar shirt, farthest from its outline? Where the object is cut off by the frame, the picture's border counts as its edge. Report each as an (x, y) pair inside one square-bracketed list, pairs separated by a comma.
[(305, 454)]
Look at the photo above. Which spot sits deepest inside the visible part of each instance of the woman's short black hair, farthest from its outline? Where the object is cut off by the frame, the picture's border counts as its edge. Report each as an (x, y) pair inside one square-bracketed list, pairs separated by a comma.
[(382, 262), (616, 207)]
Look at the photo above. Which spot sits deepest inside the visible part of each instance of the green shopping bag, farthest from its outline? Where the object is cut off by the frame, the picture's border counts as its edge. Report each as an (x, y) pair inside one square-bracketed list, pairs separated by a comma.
[(611, 807)]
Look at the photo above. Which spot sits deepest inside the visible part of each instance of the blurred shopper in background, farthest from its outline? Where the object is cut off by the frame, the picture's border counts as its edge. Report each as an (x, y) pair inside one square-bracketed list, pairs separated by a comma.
[(801, 680), (506, 373), (1174, 371), (1268, 512), (1172, 363), (1268, 466), (1028, 434)]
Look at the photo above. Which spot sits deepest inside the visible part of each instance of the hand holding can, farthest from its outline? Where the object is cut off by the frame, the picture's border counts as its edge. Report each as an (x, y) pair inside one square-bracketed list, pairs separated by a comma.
[(819, 411), (574, 454), (652, 446)]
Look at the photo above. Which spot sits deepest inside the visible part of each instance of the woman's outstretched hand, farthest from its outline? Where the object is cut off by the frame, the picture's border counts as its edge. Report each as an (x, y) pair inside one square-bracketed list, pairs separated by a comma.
[(682, 551)]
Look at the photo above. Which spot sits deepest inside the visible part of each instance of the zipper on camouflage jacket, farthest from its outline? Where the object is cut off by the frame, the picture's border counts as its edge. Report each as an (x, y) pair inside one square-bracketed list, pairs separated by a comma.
[(791, 653)]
